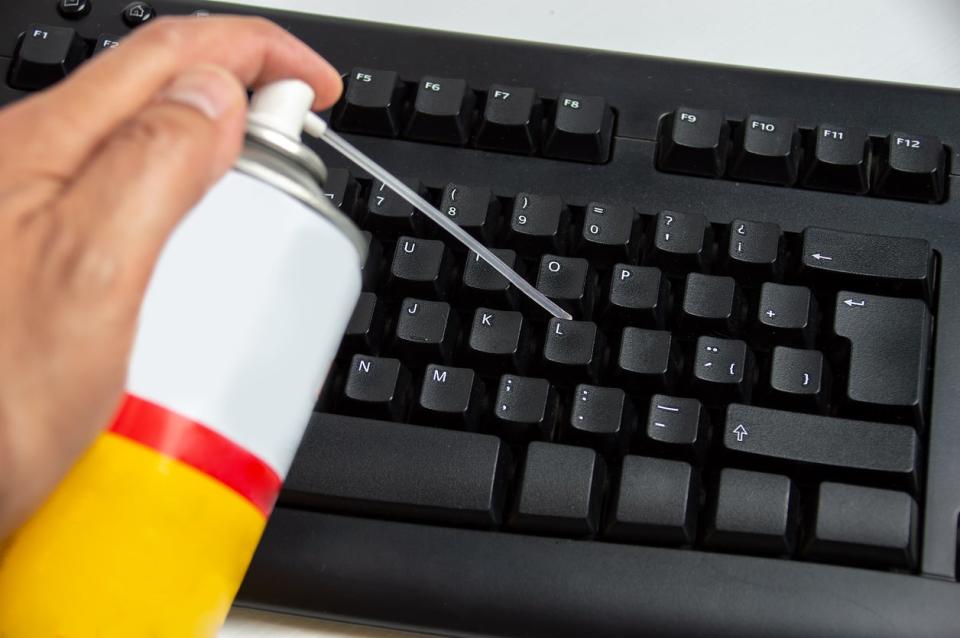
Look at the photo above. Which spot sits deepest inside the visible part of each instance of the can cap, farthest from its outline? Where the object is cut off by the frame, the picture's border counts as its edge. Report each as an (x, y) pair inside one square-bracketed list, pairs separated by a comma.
[(282, 106)]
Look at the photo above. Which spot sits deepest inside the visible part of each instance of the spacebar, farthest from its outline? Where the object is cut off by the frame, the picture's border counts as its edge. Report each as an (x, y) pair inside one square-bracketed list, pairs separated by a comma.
[(393, 470)]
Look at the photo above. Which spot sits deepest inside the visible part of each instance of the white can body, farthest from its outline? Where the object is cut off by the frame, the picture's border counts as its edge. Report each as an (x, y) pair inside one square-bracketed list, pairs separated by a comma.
[(244, 314)]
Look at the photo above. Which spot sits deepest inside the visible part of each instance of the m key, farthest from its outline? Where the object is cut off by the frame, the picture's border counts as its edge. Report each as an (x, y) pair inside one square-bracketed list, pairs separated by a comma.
[(889, 353)]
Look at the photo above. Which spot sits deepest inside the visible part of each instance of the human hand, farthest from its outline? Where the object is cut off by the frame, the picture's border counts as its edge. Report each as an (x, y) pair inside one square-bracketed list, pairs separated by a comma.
[(94, 174)]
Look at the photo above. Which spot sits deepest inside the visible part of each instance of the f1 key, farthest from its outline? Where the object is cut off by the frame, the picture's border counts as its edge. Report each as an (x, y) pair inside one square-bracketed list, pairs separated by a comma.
[(896, 263)]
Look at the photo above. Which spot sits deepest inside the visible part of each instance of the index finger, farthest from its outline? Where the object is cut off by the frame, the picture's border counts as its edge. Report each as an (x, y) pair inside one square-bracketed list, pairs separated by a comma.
[(81, 111)]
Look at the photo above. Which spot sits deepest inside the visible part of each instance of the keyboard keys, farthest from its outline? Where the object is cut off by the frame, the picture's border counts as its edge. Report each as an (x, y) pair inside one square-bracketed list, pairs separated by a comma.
[(799, 379), (425, 330), (895, 263), (539, 223), (525, 409), (365, 327), (451, 398), (819, 443), (560, 491), (841, 158), (681, 242), (755, 513), (372, 103), (482, 285), (608, 234), (105, 42), (376, 468), (510, 120), (648, 360), (442, 111), (890, 341), (786, 314), (377, 387), (655, 502), (46, 55), (580, 129), (693, 141), (723, 369), (73, 9), (601, 418), (753, 249), (498, 340), (572, 349), (637, 296), (710, 303), (388, 214), (767, 150), (569, 281), (864, 525), (472, 208), (911, 167), (677, 425), (370, 269), (341, 189), (420, 267)]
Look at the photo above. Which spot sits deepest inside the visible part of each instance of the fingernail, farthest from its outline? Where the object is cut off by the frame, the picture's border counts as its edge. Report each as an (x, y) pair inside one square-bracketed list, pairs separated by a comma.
[(210, 90)]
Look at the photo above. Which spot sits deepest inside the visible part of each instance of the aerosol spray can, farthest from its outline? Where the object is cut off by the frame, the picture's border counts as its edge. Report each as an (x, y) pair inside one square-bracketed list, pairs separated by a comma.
[(151, 532)]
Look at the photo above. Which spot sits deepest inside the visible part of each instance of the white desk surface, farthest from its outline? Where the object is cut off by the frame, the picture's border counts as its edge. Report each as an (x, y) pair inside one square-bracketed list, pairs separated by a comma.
[(912, 41)]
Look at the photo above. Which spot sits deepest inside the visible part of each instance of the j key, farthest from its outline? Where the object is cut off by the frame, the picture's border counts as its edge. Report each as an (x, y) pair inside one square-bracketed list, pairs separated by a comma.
[(572, 349), (510, 120), (472, 208), (365, 327), (46, 55), (890, 341), (525, 408), (911, 167), (569, 281), (498, 341), (755, 512), (786, 314), (864, 525), (539, 222), (362, 466), (753, 249), (723, 368), (482, 285), (841, 157), (388, 214), (425, 330), (442, 111), (451, 398), (601, 418), (799, 379), (656, 502), (377, 387), (768, 150), (341, 189), (682, 242), (873, 260), (711, 303), (561, 491), (608, 233), (648, 360), (638, 296), (677, 426), (817, 443), (693, 141), (372, 103), (420, 267), (581, 129)]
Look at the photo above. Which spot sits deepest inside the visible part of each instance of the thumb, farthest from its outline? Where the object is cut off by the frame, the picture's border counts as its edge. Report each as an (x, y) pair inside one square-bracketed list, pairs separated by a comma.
[(155, 167)]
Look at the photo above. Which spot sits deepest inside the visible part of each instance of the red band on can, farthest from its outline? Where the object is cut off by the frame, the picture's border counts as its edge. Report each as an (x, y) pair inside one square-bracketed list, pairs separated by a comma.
[(200, 447)]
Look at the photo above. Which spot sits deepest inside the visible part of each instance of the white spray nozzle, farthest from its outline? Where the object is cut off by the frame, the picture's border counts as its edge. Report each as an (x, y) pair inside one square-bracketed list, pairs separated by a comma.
[(283, 106)]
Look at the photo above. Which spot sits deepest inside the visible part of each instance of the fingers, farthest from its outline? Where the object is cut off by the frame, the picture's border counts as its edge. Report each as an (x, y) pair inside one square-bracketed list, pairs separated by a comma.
[(110, 89), (151, 171)]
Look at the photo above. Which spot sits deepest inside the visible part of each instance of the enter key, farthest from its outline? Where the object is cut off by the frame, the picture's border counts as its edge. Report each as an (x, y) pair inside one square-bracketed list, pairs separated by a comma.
[(890, 342)]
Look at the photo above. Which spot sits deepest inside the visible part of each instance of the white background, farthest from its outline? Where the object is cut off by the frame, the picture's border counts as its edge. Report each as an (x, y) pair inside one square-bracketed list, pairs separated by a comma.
[(912, 41)]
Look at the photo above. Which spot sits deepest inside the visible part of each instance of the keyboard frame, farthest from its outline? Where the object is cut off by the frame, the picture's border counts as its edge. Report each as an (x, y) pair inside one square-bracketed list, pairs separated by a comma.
[(467, 582)]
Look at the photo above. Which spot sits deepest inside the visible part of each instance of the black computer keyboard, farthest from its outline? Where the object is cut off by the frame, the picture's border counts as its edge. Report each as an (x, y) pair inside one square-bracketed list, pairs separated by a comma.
[(751, 426)]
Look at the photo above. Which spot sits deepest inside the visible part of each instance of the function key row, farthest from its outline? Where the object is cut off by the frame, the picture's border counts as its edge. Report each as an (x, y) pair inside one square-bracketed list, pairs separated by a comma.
[(774, 150), (504, 118)]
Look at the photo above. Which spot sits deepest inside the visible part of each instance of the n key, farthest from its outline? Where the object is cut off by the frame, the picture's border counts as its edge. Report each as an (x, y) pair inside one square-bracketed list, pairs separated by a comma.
[(377, 387)]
